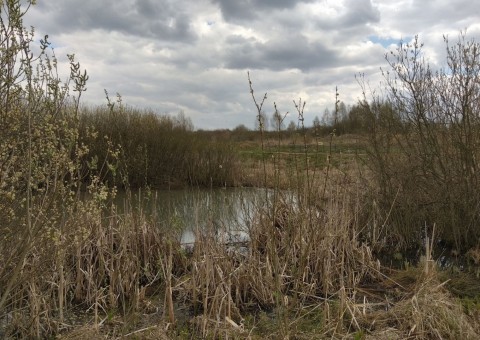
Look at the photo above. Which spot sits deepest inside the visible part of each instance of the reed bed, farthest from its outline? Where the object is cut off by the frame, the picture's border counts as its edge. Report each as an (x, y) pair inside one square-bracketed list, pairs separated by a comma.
[(100, 263), (295, 256), (305, 270)]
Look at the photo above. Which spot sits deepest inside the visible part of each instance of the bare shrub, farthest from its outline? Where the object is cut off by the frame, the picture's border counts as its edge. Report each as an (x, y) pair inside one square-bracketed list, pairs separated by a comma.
[(424, 142), (156, 150)]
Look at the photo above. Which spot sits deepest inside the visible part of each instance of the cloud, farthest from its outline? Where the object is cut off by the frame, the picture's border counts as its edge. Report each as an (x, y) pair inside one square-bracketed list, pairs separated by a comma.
[(293, 52), (172, 55), (162, 20), (244, 10)]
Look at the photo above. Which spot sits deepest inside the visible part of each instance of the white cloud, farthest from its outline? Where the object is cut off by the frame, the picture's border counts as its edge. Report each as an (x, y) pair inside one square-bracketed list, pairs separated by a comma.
[(194, 55)]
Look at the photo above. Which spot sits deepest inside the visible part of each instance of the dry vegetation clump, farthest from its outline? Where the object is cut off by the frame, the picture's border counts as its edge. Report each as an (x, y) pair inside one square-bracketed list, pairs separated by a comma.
[(426, 311), (258, 174), (151, 332), (296, 254), (101, 262)]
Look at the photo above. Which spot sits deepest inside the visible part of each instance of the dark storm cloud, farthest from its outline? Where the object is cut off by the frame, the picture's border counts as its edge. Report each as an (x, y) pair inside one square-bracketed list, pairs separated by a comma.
[(239, 10), (147, 8), (293, 52), (359, 12), (164, 20)]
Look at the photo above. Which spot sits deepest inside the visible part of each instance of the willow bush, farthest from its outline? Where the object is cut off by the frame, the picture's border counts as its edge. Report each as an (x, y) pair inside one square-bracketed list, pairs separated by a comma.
[(424, 144), (58, 249), (159, 151), (39, 160)]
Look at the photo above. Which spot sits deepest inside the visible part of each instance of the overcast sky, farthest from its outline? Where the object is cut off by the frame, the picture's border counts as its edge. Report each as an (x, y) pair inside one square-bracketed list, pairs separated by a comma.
[(193, 55)]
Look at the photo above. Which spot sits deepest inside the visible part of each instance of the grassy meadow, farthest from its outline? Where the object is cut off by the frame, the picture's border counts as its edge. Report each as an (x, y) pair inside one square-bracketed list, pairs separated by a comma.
[(369, 229)]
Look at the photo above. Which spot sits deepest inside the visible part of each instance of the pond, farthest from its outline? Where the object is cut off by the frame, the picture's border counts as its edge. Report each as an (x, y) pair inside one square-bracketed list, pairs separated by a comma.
[(228, 210)]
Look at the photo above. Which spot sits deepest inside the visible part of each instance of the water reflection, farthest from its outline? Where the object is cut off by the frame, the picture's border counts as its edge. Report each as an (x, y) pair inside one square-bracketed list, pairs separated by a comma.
[(223, 211)]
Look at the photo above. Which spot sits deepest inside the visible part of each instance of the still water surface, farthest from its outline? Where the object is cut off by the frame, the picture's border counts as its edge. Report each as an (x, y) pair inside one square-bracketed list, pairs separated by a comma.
[(190, 210)]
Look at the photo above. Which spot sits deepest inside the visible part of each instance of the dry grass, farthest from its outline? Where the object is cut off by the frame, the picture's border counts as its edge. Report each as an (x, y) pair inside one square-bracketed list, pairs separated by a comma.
[(296, 254), (428, 311), (304, 268), (101, 263)]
